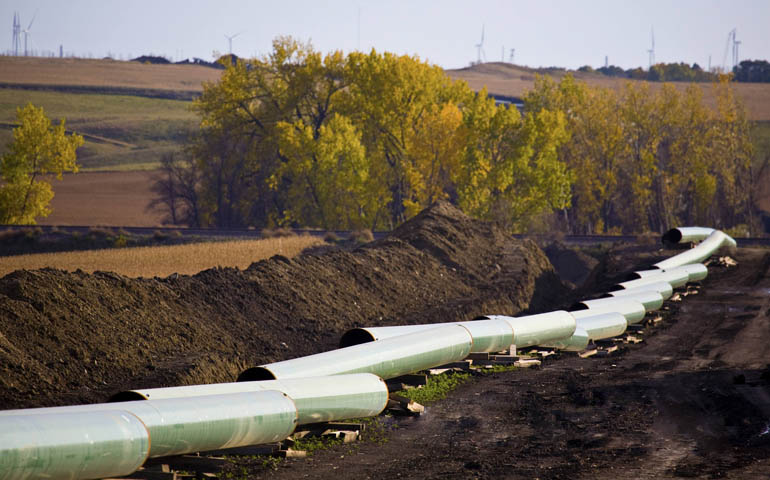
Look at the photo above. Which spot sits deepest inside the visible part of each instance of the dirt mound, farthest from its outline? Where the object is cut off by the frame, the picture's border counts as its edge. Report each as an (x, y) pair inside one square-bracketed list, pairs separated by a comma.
[(74, 337)]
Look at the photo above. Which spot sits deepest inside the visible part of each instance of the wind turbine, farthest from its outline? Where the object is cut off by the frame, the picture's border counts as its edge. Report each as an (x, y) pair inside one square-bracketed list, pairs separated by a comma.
[(27, 33), (16, 34), (651, 51), (230, 40), (480, 48)]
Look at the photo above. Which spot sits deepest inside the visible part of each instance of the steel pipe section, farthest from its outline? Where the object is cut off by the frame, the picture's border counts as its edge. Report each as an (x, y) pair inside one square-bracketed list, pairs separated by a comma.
[(599, 326), (72, 445), (195, 424), (633, 311), (701, 252), (686, 234), (488, 335), (318, 399), (385, 358), (663, 288), (538, 329), (576, 343), (677, 278), (651, 299), (695, 272)]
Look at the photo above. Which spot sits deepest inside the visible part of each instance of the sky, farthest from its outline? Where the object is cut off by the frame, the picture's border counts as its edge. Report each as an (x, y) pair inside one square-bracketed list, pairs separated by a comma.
[(543, 33)]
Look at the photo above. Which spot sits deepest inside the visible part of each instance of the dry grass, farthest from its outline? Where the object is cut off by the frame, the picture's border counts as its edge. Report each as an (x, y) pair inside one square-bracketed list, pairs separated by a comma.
[(514, 81), (104, 73), (164, 261)]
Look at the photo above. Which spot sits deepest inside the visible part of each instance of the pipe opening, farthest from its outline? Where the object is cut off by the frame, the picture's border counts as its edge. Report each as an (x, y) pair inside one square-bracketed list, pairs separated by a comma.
[(255, 374), (128, 396), (671, 237), (356, 336)]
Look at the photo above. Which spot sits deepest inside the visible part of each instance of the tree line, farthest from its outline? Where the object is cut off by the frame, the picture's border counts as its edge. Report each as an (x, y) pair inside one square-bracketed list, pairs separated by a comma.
[(745, 71), (367, 140)]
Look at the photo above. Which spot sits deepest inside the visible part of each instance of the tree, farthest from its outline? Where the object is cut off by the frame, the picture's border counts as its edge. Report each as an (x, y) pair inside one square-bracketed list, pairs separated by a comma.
[(38, 148)]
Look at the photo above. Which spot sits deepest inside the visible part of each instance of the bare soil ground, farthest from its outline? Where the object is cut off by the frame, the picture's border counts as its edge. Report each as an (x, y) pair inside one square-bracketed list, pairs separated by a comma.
[(77, 337), (103, 198), (692, 400)]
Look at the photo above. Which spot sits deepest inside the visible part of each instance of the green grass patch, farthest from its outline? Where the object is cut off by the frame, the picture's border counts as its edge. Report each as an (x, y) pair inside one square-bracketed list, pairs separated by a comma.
[(437, 388), (313, 444), (122, 132)]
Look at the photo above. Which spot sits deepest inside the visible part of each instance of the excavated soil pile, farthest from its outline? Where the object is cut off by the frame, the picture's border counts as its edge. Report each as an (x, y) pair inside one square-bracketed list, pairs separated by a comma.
[(69, 338)]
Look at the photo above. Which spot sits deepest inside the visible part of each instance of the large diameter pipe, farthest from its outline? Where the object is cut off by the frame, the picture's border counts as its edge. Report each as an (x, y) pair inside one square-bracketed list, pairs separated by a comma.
[(695, 272), (651, 299), (632, 310), (577, 342), (195, 424), (603, 325), (386, 358), (318, 399), (701, 252), (488, 335), (663, 288), (538, 329), (72, 445), (677, 278), (686, 234)]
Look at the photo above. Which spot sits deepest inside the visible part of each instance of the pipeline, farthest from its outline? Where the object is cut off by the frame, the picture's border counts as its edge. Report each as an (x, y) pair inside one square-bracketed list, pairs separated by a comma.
[(267, 402), (317, 399), (386, 358)]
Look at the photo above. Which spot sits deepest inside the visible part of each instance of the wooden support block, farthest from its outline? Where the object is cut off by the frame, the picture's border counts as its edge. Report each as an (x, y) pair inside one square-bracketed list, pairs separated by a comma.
[(524, 363), (195, 463), (587, 353), (346, 436), (478, 356), (463, 365), (406, 406), (289, 453)]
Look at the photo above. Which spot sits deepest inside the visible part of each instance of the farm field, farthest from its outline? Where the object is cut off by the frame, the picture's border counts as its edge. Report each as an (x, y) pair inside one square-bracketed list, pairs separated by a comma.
[(103, 198), (689, 401), (104, 73), (121, 132), (163, 261), (511, 80)]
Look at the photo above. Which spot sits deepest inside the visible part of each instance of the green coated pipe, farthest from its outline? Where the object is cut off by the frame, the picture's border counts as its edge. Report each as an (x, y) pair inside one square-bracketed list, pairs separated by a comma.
[(538, 329), (686, 234), (385, 358), (603, 325), (195, 424), (651, 299), (318, 399), (632, 310), (663, 288), (677, 278), (695, 272), (577, 342), (71, 445), (488, 335), (701, 252)]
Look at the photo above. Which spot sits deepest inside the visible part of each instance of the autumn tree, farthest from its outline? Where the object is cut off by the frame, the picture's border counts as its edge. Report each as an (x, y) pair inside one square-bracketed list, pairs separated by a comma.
[(38, 148)]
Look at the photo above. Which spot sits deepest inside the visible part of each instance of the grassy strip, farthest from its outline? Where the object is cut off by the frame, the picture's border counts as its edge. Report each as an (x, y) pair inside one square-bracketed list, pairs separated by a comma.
[(437, 388)]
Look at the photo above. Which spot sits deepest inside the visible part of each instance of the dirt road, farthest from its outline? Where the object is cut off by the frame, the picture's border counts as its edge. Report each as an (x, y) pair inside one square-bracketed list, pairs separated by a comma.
[(692, 400)]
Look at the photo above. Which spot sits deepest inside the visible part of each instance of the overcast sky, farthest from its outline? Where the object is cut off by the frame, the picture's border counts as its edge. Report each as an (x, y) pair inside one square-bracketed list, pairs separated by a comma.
[(543, 32)]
